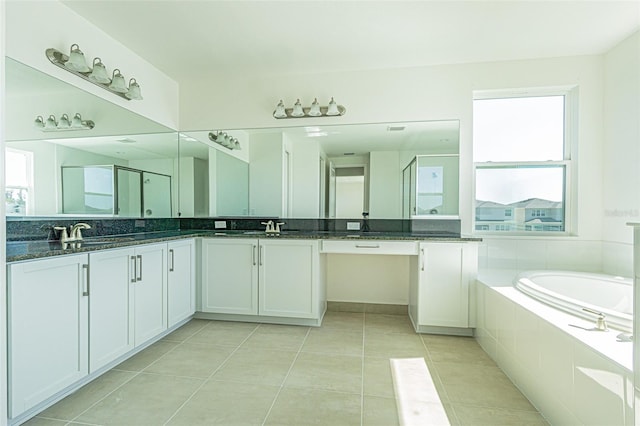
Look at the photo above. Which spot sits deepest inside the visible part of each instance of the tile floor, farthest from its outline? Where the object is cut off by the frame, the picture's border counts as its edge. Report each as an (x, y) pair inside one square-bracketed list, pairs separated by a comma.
[(228, 373)]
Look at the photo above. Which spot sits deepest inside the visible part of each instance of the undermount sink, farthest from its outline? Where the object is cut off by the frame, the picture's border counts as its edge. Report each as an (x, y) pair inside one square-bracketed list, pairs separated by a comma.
[(254, 232)]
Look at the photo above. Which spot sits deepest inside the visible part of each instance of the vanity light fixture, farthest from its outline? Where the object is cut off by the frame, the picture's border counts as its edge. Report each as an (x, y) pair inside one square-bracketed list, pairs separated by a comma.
[(222, 138), (64, 124), (76, 64), (315, 110)]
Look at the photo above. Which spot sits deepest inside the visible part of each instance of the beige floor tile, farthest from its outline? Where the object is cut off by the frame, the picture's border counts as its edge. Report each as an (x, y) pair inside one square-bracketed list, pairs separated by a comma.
[(343, 321), (71, 406), (143, 359), (377, 378), (147, 399), (381, 323), (191, 360), (473, 416), (223, 333), (279, 337), (43, 421), (257, 366), (480, 385), (380, 412), (227, 403), (297, 407), (393, 345), (186, 331), (456, 349), (339, 373), (334, 341)]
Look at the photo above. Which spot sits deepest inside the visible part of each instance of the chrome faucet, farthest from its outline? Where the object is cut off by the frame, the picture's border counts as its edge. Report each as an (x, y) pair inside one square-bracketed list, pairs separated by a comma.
[(76, 231), (277, 230), (601, 324), (64, 236), (269, 227)]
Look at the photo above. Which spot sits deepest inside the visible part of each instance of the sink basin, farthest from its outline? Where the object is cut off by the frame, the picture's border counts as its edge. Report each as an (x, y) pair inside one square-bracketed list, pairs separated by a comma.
[(254, 232)]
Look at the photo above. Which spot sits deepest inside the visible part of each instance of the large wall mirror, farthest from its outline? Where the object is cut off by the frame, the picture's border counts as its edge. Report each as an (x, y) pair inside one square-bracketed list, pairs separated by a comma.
[(386, 170), (125, 166)]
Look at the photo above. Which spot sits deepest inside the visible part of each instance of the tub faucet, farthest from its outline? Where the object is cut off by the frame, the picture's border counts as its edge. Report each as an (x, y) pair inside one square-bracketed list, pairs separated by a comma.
[(601, 324)]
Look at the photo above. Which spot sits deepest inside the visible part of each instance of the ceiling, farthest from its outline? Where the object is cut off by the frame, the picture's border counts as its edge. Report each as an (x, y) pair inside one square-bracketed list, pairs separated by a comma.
[(189, 39)]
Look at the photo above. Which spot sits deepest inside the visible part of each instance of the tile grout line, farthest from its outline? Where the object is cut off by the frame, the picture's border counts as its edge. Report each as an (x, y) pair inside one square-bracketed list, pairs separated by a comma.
[(212, 374), (273, 403), (137, 373), (364, 323)]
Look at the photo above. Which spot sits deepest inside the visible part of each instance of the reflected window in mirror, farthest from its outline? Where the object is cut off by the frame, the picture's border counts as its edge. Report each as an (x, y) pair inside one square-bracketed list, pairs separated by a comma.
[(19, 182)]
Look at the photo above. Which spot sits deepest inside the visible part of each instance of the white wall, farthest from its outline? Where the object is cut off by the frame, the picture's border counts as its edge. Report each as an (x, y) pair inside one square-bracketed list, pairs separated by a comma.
[(3, 264), (621, 201), (305, 178), (385, 183), (34, 26)]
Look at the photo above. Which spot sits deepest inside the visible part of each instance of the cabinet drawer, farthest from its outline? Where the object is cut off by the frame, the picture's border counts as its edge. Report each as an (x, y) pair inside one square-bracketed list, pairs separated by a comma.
[(406, 248)]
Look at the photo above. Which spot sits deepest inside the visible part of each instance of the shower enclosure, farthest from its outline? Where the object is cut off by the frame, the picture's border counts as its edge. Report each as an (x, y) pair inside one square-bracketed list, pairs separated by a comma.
[(430, 186), (115, 190)]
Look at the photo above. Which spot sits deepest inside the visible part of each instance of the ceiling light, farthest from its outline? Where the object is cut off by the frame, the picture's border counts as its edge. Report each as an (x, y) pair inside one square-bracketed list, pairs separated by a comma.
[(225, 140), (315, 110), (64, 124), (75, 63)]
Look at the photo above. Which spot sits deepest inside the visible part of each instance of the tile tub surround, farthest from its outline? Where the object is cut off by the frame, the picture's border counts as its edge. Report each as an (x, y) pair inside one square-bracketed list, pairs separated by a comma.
[(212, 372), (571, 375)]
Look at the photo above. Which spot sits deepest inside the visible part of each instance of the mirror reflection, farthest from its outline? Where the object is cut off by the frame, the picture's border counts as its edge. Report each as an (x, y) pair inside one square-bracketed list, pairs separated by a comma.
[(339, 171), (125, 165)]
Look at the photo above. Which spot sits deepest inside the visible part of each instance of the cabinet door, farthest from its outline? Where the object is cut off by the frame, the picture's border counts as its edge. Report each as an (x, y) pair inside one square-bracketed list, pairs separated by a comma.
[(288, 278), (47, 328), (229, 276), (180, 281), (443, 298), (111, 332), (150, 302)]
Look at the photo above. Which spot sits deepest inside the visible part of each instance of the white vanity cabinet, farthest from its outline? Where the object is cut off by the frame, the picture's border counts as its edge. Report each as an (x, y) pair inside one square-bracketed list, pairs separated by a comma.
[(149, 291), (262, 277), (289, 278), (111, 329), (441, 287), (230, 276), (47, 328), (181, 297)]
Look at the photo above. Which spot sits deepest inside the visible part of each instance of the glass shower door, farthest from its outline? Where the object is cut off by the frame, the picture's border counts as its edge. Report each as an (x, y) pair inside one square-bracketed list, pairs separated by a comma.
[(129, 199), (156, 195)]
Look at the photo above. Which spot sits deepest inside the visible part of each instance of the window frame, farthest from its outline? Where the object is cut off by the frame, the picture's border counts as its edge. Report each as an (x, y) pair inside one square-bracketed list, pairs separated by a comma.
[(570, 94)]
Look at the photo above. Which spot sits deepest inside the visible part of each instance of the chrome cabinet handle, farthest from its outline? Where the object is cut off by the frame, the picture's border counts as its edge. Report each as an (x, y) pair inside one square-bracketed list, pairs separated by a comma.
[(253, 254), (367, 246), (139, 277), (172, 260), (85, 287), (134, 269), (422, 259), (260, 254)]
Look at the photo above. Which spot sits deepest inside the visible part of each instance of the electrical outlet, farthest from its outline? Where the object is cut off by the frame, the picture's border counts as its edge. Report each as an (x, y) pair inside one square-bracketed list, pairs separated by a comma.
[(353, 226), (220, 224)]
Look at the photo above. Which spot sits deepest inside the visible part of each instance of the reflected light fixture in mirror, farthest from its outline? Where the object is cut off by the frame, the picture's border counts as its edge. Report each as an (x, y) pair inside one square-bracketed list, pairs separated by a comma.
[(315, 110), (223, 139), (63, 124), (76, 64)]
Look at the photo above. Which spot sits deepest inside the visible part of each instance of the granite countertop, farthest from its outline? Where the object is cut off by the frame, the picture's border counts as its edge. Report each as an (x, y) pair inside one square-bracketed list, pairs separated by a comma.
[(27, 250)]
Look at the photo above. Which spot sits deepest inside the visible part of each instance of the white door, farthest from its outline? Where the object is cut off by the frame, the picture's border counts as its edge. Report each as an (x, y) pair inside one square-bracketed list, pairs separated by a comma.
[(150, 303), (288, 271), (180, 281), (111, 329), (47, 328), (229, 276)]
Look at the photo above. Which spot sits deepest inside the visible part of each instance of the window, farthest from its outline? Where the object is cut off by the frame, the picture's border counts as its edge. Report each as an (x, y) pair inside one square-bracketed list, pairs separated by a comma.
[(522, 161), (19, 182)]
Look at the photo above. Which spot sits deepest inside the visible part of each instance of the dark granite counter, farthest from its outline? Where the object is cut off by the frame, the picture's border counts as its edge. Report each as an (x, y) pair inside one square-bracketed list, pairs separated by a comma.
[(34, 249)]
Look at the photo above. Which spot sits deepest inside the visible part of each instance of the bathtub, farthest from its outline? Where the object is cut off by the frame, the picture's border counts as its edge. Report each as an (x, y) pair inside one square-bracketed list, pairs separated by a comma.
[(573, 291)]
